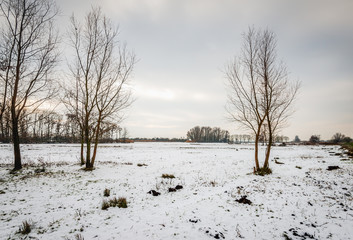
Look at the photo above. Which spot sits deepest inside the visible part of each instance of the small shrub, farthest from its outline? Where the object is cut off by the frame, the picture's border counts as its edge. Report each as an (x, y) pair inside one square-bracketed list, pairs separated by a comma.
[(106, 192), (168, 176), (105, 205), (26, 227), (263, 171)]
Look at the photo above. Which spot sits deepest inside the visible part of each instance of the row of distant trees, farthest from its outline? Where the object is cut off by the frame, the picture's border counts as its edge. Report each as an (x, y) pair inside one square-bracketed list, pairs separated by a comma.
[(95, 87), (336, 138), (43, 126), (208, 134)]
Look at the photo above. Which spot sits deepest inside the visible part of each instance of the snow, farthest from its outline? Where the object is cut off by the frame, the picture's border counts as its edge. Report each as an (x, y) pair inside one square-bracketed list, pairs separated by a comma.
[(301, 199)]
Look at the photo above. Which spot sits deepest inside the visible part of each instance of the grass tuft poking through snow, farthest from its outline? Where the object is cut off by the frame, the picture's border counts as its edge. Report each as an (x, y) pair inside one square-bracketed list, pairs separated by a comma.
[(79, 237), (106, 192), (105, 205), (120, 202), (26, 227), (114, 202)]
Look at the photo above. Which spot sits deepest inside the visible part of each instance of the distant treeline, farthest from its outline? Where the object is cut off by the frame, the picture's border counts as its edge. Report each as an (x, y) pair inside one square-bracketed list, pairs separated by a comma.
[(208, 134), (49, 126), (159, 139)]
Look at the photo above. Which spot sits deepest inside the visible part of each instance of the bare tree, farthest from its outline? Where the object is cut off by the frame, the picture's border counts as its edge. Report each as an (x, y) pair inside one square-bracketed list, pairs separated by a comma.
[(101, 73), (338, 137), (245, 99), (278, 89), (260, 92), (28, 46)]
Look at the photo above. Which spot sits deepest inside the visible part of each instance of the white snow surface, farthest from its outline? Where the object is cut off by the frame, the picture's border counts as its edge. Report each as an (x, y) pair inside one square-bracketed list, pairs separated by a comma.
[(300, 200)]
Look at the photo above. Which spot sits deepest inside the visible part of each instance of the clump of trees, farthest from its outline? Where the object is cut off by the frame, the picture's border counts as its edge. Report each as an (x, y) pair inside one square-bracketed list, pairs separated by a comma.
[(207, 134), (314, 138), (260, 92), (94, 96), (97, 91)]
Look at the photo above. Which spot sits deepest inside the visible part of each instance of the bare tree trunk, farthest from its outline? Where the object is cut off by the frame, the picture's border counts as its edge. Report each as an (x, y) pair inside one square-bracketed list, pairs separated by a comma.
[(88, 146), (16, 143), (257, 165), (268, 149), (96, 141), (82, 157)]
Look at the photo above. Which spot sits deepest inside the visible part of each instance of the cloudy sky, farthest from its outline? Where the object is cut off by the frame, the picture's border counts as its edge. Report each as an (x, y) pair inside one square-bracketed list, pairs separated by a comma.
[(183, 45)]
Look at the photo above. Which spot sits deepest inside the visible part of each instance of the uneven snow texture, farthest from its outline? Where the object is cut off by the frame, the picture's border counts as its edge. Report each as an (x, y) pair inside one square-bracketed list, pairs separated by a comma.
[(300, 200)]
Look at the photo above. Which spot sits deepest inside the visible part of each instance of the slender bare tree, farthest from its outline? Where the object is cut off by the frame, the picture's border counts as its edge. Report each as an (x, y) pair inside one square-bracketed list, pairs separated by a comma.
[(261, 94), (101, 73), (245, 98), (28, 45), (278, 89)]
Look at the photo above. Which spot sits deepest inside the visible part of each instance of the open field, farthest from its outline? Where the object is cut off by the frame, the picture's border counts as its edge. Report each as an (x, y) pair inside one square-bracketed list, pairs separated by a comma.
[(300, 200)]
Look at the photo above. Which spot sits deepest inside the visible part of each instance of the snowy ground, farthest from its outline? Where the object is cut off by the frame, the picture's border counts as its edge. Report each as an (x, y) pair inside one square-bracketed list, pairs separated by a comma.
[(300, 200)]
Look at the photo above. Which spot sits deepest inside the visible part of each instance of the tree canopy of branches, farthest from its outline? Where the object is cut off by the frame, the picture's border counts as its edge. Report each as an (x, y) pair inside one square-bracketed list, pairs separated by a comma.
[(207, 134), (340, 138), (28, 51), (100, 73), (260, 93)]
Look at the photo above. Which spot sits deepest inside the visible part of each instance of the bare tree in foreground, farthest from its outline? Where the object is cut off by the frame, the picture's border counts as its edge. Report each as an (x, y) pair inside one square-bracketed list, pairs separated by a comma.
[(260, 94), (245, 101), (27, 46), (100, 74)]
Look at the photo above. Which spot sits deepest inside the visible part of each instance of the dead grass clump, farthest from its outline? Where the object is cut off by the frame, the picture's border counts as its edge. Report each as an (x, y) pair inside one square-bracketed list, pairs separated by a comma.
[(120, 202), (105, 205), (106, 192), (26, 227), (115, 202), (170, 176), (79, 237)]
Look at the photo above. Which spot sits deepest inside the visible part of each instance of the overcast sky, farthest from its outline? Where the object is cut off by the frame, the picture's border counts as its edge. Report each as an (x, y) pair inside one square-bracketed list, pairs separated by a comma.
[(183, 46)]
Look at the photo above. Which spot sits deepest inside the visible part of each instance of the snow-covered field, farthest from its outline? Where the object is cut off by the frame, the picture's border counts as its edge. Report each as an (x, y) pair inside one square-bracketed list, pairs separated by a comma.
[(300, 200)]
